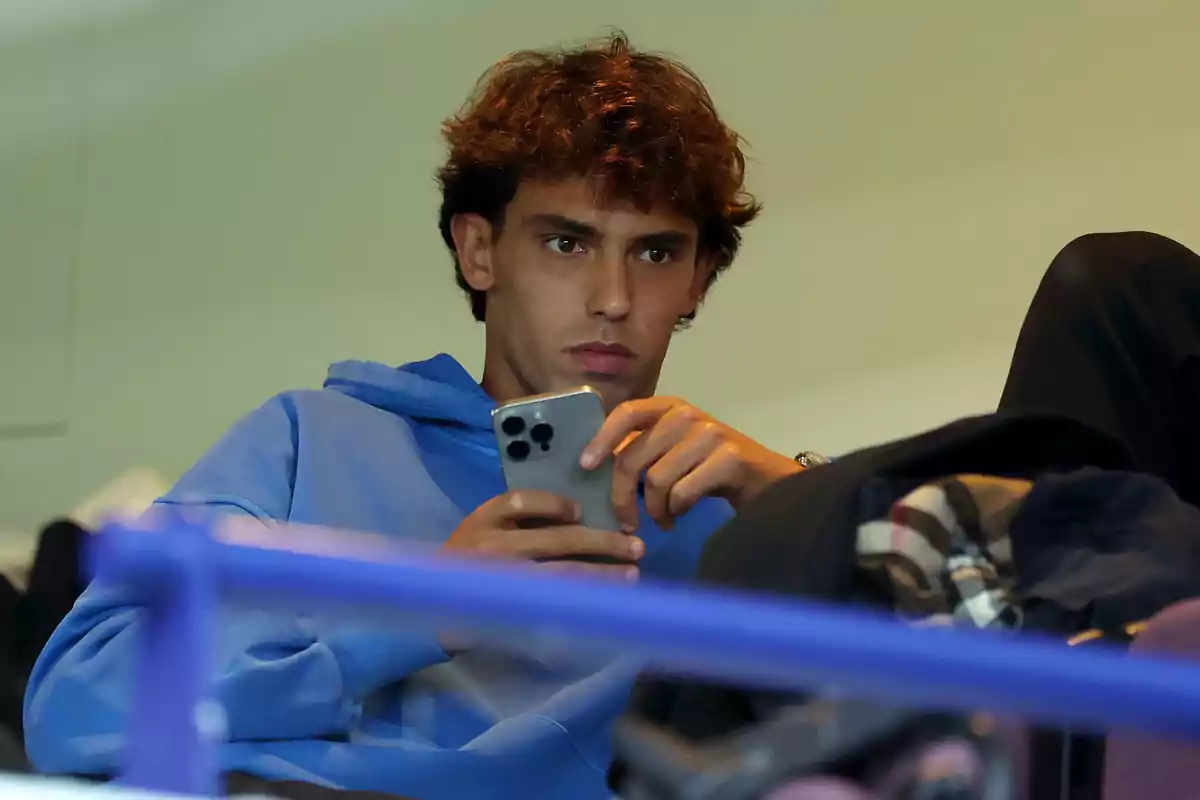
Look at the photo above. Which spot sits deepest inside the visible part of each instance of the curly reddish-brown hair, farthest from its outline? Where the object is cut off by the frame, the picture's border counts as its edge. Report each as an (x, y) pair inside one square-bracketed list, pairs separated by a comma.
[(642, 124)]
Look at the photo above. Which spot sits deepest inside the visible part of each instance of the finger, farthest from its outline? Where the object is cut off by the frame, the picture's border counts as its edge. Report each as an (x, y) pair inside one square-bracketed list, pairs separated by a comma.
[(638, 455), (673, 429), (682, 425), (675, 465), (572, 541), (514, 507), (620, 572), (627, 473), (624, 488), (712, 477), (630, 416)]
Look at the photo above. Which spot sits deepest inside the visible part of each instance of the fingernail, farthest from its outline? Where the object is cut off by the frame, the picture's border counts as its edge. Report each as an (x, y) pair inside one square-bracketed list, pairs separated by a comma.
[(576, 513), (637, 548), (587, 460), (632, 574), (629, 527)]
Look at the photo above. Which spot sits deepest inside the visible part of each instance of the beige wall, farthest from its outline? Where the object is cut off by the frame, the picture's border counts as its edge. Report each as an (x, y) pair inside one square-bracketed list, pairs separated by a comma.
[(202, 204)]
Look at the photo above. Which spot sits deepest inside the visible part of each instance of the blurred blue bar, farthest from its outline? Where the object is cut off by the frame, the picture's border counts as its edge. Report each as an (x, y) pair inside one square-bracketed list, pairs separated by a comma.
[(718, 636)]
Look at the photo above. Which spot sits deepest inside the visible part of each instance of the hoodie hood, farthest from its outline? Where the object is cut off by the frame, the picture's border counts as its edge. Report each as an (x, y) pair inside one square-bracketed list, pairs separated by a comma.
[(436, 390)]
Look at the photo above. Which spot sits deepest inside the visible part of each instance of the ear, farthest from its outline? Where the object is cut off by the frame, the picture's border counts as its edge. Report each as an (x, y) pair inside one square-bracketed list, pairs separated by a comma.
[(472, 236), (705, 265)]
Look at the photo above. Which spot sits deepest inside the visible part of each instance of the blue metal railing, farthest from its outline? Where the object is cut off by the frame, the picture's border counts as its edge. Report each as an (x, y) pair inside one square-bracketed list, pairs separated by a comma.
[(181, 566)]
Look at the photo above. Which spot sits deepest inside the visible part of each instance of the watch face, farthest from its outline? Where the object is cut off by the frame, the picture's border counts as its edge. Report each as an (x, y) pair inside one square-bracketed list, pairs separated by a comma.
[(808, 459)]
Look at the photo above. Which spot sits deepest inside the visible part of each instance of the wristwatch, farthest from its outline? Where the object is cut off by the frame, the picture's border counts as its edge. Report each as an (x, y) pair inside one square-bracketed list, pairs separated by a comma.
[(808, 459)]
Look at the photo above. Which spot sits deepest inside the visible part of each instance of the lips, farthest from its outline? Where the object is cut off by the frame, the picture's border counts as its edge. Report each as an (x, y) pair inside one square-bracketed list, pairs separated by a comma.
[(603, 359)]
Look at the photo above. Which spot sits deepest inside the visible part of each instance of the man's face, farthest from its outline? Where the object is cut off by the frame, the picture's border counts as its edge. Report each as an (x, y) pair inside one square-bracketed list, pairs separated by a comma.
[(579, 292)]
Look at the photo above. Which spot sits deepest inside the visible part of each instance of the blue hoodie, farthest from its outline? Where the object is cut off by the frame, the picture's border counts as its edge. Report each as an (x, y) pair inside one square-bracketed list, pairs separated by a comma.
[(405, 452)]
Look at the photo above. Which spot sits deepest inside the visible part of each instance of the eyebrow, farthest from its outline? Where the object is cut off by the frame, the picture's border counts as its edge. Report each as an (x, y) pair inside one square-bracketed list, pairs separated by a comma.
[(666, 240), (561, 223), (663, 239)]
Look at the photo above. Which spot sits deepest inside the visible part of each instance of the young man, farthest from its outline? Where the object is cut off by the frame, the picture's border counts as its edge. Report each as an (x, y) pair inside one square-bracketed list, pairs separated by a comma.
[(590, 200)]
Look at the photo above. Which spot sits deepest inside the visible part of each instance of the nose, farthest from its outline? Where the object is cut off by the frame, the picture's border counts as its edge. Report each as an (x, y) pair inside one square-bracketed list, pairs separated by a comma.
[(609, 290)]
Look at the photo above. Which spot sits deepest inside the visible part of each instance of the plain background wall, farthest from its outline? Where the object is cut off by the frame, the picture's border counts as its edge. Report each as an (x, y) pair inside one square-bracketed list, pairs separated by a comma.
[(204, 203)]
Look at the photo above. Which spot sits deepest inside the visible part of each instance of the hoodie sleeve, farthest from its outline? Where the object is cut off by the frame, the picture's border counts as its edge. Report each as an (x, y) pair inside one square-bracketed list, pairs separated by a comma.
[(279, 675)]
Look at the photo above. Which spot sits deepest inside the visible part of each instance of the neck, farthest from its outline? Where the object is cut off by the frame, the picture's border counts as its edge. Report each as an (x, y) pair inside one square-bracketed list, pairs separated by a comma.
[(500, 380)]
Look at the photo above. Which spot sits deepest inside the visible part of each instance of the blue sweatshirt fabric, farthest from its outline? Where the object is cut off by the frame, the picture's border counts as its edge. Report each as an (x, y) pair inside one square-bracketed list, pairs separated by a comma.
[(405, 452)]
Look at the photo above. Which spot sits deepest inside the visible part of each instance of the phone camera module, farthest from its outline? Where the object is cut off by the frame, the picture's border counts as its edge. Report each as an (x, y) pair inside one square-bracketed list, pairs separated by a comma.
[(518, 450), (513, 426), (541, 434)]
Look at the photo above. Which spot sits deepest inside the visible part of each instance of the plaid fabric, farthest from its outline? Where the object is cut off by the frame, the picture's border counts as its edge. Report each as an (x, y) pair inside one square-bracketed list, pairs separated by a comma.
[(943, 555)]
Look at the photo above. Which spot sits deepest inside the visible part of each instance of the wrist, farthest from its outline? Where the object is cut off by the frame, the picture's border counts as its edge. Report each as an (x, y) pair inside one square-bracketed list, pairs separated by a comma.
[(768, 473), (807, 459)]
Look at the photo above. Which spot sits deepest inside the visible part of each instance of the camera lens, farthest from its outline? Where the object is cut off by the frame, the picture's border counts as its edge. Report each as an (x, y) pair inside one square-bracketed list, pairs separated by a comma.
[(542, 433), (513, 426), (518, 450)]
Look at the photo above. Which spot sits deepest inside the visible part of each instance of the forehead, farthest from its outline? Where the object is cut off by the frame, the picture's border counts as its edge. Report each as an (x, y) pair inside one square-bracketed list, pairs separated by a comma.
[(580, 200)]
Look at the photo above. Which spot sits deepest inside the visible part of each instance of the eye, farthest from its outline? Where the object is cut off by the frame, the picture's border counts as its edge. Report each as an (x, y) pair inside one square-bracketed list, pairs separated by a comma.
[(564, 245), (657, 255)]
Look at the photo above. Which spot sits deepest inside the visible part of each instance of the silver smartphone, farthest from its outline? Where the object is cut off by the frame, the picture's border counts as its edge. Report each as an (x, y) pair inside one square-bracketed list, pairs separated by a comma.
[(541, 439)]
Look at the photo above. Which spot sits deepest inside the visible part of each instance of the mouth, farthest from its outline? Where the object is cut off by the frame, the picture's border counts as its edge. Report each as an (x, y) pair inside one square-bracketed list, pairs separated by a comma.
[(602, 359)]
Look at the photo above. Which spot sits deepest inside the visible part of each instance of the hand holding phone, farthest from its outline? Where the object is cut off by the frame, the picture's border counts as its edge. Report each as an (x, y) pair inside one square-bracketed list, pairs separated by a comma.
[(541, 440), (683, 455), (543, 528), (540, 526)]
